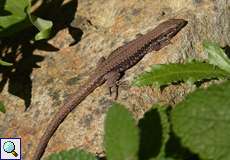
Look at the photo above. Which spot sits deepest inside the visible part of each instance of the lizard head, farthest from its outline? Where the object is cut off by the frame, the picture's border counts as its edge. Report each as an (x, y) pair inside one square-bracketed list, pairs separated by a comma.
[(164, 32), (171, 27)]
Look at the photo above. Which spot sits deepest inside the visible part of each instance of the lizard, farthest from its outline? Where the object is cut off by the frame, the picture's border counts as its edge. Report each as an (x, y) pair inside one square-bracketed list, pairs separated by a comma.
[(111, 70)]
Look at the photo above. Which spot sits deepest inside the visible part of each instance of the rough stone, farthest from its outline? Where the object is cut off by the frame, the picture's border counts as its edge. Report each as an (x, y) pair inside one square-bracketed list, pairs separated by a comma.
[(106, 25)]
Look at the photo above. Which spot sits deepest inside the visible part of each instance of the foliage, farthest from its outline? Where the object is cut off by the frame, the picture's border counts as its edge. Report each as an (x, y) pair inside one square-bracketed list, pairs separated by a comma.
[(218, 67), (2, 107), (164, 74), (72, 154), (154, 133), (202, 122), (216, 56), (121, 134), (15, 16), (19, 17), (3, 63)]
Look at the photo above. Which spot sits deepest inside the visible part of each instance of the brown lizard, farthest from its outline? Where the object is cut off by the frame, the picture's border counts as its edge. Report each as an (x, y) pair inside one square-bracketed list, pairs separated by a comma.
[(110, 70)]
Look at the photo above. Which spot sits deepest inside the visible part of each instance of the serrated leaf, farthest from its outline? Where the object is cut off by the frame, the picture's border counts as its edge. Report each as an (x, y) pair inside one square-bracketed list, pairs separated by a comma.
[(72, 154), (164, 74), (2, 108), (216, 56), (3, 63), (121, 138), (202, 122), (154, 133)]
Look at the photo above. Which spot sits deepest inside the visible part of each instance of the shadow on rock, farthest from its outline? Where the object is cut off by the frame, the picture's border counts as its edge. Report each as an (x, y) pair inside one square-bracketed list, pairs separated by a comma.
[(18, 49)]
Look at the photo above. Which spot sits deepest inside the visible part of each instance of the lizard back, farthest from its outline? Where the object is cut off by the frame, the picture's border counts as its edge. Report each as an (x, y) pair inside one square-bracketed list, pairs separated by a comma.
[(128, 55)]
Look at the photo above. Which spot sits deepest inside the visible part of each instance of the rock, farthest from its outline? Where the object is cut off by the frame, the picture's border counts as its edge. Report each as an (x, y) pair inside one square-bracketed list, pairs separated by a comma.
[(105, 25)]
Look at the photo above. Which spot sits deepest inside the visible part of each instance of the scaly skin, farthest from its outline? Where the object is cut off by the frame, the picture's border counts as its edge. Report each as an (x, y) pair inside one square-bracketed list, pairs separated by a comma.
[(110, 70)]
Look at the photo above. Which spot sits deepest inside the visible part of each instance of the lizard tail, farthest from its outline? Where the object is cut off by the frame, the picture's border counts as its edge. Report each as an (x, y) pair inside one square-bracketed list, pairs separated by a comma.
[(70, 104)]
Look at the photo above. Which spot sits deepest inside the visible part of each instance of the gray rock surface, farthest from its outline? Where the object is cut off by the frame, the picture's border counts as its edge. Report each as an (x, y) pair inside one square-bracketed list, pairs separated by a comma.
[(106, 25)]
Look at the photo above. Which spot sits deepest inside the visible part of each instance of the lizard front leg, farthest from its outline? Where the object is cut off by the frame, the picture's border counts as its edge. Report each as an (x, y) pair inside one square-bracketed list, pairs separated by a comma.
[(112, 81), (100, 61)]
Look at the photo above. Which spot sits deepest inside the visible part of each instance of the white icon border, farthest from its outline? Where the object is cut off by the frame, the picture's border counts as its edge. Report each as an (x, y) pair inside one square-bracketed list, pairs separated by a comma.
[(20, 154)]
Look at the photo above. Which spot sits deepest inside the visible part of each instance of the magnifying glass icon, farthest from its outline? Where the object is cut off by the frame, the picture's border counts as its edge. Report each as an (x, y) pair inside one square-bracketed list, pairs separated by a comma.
[(9, 147)]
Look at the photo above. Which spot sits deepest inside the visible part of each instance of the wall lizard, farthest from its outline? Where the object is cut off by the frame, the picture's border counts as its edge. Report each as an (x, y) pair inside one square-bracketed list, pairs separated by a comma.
[(111, 69)]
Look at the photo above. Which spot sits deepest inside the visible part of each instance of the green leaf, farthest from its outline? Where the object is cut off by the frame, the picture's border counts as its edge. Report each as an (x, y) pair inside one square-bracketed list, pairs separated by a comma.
[(3, 63), (164, 74), (21, 18), (2, 108), (72, 154), (44, 26), (154, 133), (202, 122), (216, 56), (121, 134), (17, 20)]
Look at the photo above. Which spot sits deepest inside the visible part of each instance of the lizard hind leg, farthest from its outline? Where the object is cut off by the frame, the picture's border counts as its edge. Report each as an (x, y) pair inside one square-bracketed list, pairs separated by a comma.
[(112, 81)]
